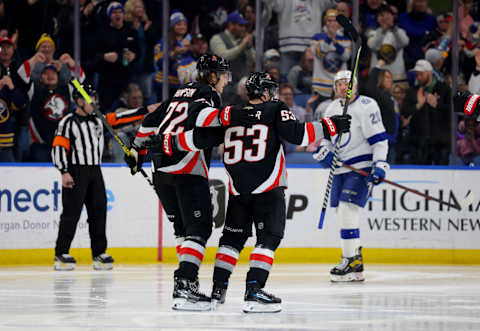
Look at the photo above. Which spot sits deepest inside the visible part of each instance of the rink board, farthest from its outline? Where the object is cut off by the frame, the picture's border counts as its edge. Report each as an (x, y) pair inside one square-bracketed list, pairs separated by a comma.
[(395, 226)]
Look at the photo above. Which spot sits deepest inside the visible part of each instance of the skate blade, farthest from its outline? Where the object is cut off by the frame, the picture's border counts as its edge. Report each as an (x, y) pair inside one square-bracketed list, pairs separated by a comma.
[(257, 307), (63, 266), (216, 304), (184, 304), (102, 266), (351, 277)]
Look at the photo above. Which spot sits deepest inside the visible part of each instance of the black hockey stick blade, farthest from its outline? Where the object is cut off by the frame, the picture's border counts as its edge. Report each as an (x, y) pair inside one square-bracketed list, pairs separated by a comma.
[(348, 27)]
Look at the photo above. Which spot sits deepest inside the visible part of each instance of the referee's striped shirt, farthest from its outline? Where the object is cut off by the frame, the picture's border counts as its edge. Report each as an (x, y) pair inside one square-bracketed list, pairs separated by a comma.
[(79, 140)]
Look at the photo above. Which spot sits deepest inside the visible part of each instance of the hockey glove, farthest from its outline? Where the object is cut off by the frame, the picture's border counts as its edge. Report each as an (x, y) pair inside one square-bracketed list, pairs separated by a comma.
[(245, 116), (161, 145), (134, 160), (377, 174), (336, 124), (324, 156), (467, 103)]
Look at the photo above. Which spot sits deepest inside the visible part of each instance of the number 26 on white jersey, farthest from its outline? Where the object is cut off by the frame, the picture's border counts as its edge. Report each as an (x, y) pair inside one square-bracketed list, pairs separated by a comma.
[(234, 148)]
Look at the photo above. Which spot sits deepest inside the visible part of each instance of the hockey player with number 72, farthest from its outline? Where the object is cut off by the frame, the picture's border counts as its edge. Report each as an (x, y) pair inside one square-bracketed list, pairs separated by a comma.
[(364, 147), (255, 163)]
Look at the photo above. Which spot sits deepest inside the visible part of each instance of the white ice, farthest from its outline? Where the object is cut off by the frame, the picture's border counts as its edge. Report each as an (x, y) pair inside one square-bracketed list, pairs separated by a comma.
[(138, 297)]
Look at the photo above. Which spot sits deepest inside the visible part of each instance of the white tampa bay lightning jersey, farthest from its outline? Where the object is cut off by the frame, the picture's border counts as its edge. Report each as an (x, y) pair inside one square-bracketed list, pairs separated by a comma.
[(367, 140)]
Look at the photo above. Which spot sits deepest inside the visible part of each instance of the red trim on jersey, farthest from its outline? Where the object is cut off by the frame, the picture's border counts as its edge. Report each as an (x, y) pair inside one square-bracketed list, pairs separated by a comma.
[(262, 258), (471, 104), (230, 187), (191, 251), (189, 166), (146, 134), (332, 129), (277, 180), (182, 142), (226, 258), (210, 118), (142, 152), (311, 132), (28, 70), (177, 248), (225, 115)]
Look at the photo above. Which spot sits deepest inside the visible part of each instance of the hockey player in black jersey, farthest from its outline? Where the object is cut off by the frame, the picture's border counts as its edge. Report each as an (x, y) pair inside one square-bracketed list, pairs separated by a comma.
[(255, 162), (181, 180)]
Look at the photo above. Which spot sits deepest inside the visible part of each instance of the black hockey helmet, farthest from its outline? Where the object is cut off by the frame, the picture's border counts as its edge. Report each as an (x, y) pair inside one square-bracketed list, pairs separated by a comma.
[(211, 63), (259, 82), (90, 89)]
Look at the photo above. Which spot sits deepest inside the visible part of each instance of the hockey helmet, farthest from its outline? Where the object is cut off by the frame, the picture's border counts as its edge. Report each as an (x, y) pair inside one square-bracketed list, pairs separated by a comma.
[(212, 63), (259, 82), (90, 89)]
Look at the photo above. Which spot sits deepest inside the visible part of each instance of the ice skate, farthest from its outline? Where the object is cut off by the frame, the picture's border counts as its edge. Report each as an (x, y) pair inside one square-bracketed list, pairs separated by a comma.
[(258, 301), (103, 262), (64, 262), (187, 297), (218, 295), (350, 269)]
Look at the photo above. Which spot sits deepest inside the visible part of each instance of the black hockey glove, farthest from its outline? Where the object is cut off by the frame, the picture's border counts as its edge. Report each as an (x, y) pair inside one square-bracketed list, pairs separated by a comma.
[(336, 124), (467, 103), (161, 145)]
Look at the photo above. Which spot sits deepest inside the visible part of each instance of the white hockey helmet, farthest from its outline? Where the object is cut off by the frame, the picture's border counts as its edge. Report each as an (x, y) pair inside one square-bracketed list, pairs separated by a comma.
[(342, 74)]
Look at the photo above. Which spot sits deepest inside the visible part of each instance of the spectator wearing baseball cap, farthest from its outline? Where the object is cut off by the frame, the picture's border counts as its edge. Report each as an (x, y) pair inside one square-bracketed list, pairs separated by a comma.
[(427, 104), (199, 45), (432, 38), (235, 45), (115, 48)]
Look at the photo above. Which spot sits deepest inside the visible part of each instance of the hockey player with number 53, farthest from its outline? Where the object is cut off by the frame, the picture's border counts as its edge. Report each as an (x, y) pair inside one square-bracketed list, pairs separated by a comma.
[(364, 147)]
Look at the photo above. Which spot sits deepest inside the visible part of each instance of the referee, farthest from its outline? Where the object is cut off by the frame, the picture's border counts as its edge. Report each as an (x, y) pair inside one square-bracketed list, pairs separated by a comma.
[(77, 153)]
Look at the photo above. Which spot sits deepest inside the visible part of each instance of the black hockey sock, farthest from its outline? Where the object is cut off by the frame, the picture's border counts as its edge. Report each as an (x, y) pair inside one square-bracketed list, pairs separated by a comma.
[(257, 277)]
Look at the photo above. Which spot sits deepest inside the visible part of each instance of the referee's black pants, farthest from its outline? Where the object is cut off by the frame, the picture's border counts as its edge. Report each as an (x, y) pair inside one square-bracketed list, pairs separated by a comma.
[(89, 189)]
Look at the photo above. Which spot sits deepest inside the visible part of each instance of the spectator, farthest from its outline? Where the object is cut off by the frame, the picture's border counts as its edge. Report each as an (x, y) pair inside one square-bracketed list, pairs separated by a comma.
[(300, 76), (380, 82), (468, 143), (387, 43), (199, 46), (8, 68), (116, 47), (181, 65), (437, 60), (332, 50), (369, 14), (49, 103), (271, 58), (344, 9), (236, 46), (131, 98), (417, 23), (432, 38), (474, 81), (248, 12), (275, 74), (298, 21), (143, 67), (12, 104), (65, 64), (399, 93), (428, 104)]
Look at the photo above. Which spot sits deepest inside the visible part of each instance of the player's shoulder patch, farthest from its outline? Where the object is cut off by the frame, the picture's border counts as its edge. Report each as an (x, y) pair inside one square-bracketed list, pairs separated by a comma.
[(365, 100)]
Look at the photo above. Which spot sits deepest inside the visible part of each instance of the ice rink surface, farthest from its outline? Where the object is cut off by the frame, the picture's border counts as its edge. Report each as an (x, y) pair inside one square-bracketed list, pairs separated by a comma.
[(138, 297)]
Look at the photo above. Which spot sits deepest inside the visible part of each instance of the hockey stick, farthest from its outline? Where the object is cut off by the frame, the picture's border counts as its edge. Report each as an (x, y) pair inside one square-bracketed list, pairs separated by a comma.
[(458, 205), (350, 30), (106, 124)]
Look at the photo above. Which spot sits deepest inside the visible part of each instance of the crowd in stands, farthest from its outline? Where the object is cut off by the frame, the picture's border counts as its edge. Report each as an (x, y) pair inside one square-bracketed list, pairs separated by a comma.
[(405, 65)]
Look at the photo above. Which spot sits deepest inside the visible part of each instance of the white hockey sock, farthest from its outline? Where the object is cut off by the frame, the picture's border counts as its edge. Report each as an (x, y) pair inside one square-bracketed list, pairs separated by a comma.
[(347, 217)]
